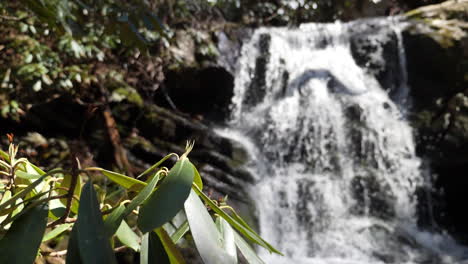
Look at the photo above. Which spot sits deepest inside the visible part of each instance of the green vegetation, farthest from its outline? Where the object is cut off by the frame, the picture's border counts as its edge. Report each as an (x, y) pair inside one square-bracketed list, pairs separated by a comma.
[(110, 57), (151, 216)]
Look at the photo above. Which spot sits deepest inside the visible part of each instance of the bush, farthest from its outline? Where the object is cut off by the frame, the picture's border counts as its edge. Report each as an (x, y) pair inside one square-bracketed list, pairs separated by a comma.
[(151, 217)]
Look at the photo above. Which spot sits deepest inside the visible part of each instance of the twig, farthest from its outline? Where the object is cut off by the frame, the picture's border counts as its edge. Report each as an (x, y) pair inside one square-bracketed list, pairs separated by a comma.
[(71, 190), (12, 18), (56, 253), (64, 252)]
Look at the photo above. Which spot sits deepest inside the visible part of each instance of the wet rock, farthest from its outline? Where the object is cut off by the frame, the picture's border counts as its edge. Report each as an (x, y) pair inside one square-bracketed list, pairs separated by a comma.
[(257, 89), (220, 158), (206, 92), (437, 77), (375, 48)]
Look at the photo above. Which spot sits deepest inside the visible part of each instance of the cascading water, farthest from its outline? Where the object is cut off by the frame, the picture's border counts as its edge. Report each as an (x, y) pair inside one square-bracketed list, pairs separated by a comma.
[(334, 157)]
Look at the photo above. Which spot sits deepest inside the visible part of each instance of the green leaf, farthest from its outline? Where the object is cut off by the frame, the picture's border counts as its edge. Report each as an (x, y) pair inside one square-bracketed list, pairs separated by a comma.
[(247, 251), (155, 166), (197, 179), (152, 250), (228, 237), (169, 199), (207, 239), (56, 209), (22, 241), (56, 232), (180, 232), (120, 179), (73, 250), (247, 232), (113, 220), (37, 169), (126, 235), (93, 242), (174, 254), (3, 213), (4, 155), (27, 176), (26, 190)]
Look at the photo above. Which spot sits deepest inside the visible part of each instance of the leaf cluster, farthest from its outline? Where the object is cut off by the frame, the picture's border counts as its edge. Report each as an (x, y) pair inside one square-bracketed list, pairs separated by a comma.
[(154, 217)]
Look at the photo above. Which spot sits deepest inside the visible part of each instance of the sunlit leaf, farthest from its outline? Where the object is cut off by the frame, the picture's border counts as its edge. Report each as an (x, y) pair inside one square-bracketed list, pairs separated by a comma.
[(57, 209), (155, 166), (247, 232), (180, 232), (207, 238), (27, 176), (21, 242), (227, 234), (56, 232), (26, 190), (93, 242), (169, 199), (247, 251), (126, 235), (4, 155), (3, 213), (197, 179), (115, 218), (120, 179)]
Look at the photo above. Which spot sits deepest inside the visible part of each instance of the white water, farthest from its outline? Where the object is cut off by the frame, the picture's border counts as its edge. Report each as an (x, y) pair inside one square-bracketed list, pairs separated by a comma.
[(333, 155)]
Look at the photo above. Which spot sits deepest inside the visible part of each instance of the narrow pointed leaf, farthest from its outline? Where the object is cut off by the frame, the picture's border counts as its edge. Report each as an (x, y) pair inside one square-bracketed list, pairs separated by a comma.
[(56, 208), (26, 190), (155, 166), (169, 199), (4, 155), (247, 251), (93, 242), (73, 250), (121, 179), (27, 176), (56, 232), (6, 196), (152, 250), (227, 234), (37, 169), (22, 241), (207, 238), (197, 178), (247, 232), (180, 232), (126, 235), (115, 218)]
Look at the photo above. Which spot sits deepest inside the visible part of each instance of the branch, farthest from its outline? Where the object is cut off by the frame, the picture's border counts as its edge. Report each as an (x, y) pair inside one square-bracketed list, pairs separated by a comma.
[(71, 190)]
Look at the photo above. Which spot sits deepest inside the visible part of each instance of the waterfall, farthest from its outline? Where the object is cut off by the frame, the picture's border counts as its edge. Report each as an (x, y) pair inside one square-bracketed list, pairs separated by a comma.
[(332, 153)]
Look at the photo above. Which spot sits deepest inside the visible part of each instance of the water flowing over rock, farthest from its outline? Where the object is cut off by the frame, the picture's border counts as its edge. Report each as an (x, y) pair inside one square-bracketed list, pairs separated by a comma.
[(323, 110)]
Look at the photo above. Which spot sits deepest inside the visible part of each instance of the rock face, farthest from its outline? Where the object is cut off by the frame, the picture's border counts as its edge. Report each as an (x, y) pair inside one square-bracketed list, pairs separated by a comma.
[(206, 92), (148, 134), (377, 54), (438, 79)]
